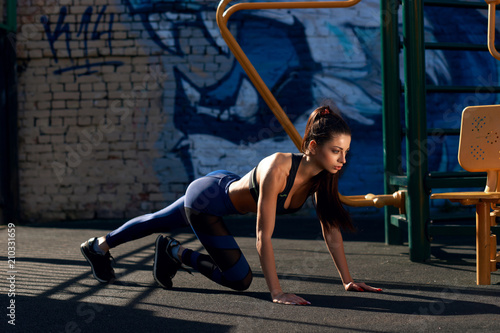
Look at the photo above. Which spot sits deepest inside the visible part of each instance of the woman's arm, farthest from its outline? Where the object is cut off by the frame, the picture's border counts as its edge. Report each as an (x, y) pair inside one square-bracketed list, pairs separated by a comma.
[(272, 181), (266, 210), (335, 244)]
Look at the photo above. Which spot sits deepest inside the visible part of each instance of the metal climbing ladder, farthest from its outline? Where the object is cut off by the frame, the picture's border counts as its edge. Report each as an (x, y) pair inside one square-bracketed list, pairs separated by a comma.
[(417, 180)]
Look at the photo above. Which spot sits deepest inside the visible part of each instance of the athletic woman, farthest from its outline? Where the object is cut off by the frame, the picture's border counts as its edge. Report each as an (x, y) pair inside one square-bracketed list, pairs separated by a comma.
[(279, 184)]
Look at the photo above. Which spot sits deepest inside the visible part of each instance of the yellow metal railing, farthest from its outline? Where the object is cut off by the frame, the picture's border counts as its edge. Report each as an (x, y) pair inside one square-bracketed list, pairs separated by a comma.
[(222, 18), (491, 27), (397, 199)]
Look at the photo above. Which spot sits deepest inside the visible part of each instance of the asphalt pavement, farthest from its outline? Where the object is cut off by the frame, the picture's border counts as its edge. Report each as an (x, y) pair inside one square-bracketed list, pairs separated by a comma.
[(55, 291)]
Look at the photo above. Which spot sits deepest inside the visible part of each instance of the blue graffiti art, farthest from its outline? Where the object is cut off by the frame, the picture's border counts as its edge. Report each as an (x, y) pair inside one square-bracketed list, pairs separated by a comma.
[(465, 68), (286, 70), (63, 28), (144, 9), (304, 56)]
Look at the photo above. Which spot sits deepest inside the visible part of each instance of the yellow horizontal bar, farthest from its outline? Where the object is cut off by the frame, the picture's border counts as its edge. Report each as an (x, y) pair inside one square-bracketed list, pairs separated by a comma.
[(285, 5)]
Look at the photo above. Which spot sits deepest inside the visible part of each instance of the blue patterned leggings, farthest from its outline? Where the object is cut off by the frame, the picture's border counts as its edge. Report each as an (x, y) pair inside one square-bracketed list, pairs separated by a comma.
[(202, 207)]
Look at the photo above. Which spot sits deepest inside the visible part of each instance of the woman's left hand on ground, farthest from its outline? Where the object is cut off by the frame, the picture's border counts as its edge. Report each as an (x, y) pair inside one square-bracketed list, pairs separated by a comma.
[(353, 286)]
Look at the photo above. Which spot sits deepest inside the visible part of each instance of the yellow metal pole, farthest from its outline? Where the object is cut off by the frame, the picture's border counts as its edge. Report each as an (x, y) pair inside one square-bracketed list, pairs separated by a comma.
[(223, 16), (493, 253), (483, 271), (285, 5), (491, 28)]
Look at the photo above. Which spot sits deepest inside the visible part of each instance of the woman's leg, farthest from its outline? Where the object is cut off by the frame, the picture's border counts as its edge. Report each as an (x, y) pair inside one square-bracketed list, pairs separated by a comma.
[(206, 201), (165, 220), (96, 250), (225, 264)]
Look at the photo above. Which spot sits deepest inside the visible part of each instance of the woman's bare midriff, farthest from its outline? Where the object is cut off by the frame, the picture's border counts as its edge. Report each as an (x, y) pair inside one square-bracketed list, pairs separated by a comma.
[(239, 193)]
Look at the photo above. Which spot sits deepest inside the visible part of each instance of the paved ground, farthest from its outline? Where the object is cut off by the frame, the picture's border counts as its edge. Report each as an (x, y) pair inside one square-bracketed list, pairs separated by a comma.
[(55, 291)]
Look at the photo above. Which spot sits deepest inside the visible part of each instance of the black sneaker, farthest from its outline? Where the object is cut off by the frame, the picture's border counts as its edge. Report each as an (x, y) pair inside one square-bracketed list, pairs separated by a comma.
[(100, 263), (165, 266)]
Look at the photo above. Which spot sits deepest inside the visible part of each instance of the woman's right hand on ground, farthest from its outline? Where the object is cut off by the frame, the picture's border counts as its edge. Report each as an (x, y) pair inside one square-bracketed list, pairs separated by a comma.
[(289, 299), (352, 286)]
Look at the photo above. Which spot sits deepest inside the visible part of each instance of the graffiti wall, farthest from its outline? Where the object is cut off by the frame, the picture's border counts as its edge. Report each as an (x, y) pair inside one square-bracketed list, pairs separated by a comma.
[(124, 102)]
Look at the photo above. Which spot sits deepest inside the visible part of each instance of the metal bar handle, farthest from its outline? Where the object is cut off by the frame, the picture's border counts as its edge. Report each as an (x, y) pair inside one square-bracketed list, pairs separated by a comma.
[(491, 27), (222, 18), (282, 5)]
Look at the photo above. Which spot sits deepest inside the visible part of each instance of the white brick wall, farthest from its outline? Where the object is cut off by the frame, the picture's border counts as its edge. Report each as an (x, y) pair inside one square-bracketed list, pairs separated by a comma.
[(100, 145), (86, 142)]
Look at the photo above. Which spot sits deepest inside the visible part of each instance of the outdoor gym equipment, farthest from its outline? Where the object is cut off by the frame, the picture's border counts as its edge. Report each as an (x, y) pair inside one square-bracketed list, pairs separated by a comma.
[(491, 27), (396, 199), (479, 151)]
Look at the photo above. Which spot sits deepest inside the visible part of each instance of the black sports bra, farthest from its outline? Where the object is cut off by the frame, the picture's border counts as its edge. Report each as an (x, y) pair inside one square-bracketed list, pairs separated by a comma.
[(280, 204)]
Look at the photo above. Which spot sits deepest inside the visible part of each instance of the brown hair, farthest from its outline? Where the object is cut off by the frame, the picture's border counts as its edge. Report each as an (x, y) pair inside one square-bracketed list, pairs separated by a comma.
[(322, 126)]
